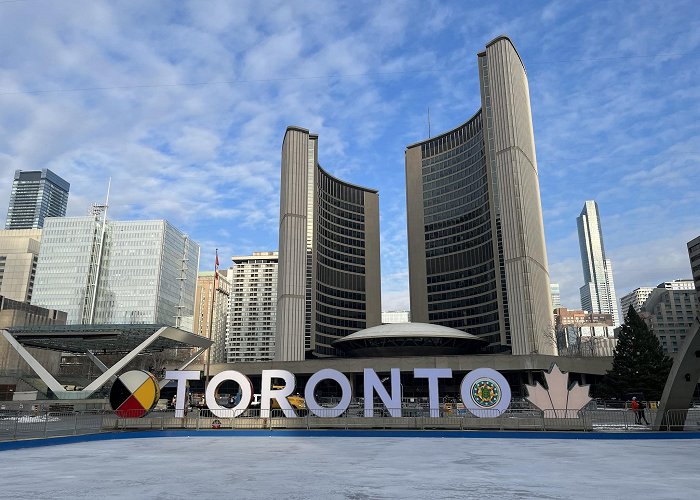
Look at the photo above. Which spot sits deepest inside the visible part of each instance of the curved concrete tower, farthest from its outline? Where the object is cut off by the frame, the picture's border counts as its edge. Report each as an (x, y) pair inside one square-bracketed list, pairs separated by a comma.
[(477, 256), (329, 274)]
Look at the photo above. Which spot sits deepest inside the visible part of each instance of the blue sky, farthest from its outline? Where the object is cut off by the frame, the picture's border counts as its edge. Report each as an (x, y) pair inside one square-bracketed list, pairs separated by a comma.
[(184, 104)]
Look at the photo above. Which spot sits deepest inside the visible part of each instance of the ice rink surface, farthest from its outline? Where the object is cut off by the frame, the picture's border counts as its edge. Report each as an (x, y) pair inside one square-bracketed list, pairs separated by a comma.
[(353, 468)]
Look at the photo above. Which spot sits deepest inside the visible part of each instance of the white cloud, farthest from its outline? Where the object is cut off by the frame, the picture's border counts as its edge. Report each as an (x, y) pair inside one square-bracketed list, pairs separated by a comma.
[(613, 122)]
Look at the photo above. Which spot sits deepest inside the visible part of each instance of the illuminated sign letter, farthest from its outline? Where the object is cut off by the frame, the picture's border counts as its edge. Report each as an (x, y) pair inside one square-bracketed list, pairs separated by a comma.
[(280, 395), (433, 374), (246, 394), (181, 377), (345, 390), (372, 384)]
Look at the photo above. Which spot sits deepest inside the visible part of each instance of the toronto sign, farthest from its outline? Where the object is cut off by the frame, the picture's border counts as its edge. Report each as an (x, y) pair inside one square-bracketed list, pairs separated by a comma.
[(485, 392)]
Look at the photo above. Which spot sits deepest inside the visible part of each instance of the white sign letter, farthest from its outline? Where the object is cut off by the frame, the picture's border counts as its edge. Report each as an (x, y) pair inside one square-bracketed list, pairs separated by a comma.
[(246, 394), (433, 374), (182, 377), (345, 391), (372, 384), (280, 395)]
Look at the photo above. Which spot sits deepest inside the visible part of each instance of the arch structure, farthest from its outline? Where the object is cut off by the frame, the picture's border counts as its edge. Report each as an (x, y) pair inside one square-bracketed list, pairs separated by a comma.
[(682, 379)]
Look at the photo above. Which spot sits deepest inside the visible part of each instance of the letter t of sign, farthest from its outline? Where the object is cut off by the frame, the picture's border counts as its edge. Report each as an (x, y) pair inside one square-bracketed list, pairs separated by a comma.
[(433, 374)]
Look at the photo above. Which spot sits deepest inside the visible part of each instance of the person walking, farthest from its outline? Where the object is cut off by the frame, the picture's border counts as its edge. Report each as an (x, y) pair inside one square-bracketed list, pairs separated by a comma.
[(635, 409), (641, 414)]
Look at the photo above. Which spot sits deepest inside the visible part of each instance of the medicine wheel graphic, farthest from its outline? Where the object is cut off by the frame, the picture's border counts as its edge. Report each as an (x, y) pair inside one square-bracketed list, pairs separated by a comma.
[(134, 394)]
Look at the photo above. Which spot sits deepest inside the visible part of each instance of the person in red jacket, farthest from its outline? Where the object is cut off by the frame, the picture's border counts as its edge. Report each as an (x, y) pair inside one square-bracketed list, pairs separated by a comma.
[(635, 409)]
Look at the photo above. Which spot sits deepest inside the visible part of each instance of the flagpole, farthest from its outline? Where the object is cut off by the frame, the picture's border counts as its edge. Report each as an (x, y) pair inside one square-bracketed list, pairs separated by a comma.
[(211, 314)]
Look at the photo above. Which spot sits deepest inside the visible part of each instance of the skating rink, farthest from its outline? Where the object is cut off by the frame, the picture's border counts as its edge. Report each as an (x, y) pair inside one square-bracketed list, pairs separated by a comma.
[(353, 468)]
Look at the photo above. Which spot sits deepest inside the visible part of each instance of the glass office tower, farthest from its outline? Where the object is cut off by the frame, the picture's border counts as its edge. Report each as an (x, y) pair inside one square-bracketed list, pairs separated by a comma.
[(36, 194), (477, 256), (116, 272), (328, 277)]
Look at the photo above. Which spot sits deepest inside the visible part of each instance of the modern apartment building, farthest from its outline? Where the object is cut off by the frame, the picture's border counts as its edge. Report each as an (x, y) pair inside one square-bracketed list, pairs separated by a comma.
[(210, 321), (694, 255), (253, 308), (670, 311), (329, 275), (36, 194), (19, 252), (636, 298), (125, 272), (476, 248), (598, 292)]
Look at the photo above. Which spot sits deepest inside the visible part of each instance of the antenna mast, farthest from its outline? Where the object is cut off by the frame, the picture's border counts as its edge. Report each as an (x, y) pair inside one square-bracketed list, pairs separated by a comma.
[(91, 318), (429, 136)]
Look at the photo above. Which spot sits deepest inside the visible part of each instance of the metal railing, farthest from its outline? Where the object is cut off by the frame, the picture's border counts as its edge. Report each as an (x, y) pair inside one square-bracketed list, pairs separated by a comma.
[(16, 424)]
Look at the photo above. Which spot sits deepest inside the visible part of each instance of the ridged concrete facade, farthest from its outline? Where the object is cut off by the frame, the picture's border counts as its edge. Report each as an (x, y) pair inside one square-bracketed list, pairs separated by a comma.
[(477, 255), (329, 273)]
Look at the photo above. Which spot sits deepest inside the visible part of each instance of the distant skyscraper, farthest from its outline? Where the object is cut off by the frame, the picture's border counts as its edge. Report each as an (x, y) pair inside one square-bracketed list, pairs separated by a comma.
[(329, 276), (598, 292), (36, 194), (556, 295), (116, 272), (253, 308), (476, 249)]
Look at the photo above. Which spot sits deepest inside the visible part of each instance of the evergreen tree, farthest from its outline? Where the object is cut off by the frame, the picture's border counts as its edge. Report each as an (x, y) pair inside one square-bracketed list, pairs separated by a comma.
[(639, 363)]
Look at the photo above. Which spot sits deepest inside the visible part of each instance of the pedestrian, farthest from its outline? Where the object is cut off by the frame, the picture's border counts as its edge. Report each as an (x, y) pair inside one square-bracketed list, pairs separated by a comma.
[(635, 409), (641, 413)]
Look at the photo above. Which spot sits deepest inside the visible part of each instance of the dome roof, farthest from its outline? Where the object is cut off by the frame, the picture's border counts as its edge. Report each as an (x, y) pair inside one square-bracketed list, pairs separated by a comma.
[(408, 339)]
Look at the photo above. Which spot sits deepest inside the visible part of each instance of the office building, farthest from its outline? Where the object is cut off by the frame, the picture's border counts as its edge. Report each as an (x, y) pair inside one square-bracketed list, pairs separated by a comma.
[(36, 194), (120, 272), (598, 292), (253, 308), (208, 321), (582, 333), (396, 317), (556, 295), (636, 298), (19, 252), (670, 311), (694, 255), (329, 275), (476, 248)]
